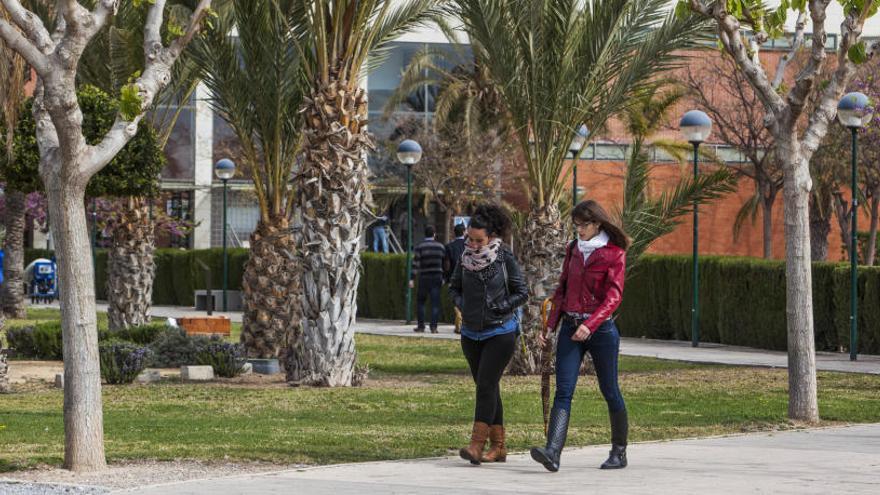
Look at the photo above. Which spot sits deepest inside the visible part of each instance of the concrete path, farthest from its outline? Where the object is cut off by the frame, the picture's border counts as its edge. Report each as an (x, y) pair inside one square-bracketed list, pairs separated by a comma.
[(832, 460), (661, 349)]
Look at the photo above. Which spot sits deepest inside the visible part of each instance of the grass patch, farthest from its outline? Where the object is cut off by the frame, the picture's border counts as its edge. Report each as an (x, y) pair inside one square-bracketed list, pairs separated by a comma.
[(417, 403)]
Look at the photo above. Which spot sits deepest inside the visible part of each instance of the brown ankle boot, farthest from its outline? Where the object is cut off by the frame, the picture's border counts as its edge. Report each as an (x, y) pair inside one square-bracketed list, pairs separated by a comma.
[(497, 449), (474, 451)]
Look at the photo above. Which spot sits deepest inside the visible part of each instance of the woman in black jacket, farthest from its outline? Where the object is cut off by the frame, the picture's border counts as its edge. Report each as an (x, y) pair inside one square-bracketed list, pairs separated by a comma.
[(487, 286)]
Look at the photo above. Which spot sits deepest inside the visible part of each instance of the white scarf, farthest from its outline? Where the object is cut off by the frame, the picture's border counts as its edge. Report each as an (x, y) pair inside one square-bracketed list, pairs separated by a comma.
[(587, 247)]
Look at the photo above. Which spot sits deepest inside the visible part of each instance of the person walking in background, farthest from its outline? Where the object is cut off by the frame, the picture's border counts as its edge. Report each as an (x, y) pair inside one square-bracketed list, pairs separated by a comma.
[(453, 256), (380, 235), (428, 266), (487, 286)]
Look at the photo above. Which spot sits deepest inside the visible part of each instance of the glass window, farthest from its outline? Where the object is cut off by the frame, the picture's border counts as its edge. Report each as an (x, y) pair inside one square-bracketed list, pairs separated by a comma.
[(729, 154), (384, 80), (610, 151), (180, 149)]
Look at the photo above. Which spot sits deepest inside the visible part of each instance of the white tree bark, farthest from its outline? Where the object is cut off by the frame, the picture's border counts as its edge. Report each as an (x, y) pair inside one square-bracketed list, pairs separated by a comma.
[(67, 163), (783, 115)]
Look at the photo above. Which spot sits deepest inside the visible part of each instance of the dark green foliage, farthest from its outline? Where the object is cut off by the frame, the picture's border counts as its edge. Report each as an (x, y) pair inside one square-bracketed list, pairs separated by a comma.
[(225, 358), (133, 172), (122, 362), (742, 302), (175, 348)]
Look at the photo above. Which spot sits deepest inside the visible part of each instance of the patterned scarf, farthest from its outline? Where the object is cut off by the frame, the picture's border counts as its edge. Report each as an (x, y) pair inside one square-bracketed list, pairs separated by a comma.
[(474, 260)]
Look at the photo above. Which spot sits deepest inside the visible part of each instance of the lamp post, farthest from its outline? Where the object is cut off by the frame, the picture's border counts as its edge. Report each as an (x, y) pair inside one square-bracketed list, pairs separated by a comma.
[(409, 153), (577, 143), (854, 111), (695, 127), (224, 170)]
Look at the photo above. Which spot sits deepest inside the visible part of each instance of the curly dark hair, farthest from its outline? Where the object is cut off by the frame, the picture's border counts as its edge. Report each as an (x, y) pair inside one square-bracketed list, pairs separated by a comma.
[(493, 218)]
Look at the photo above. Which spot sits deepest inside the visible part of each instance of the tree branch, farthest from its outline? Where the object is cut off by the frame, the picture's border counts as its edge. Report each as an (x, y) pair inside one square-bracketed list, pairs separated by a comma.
[(156, 75), (30, 25), (826, 109), (23, 47), (796, 44), (731, 38), (797, 97)]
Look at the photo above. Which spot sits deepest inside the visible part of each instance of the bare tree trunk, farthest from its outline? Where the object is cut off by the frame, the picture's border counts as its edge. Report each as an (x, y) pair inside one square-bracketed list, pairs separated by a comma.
[(83, 416), (4, 372), (131, 268), (820, 227), (843, 212), (803, 402), (872, 232), (542, 249), (332, 198), (12, 297), (767, 206), (271, 292)]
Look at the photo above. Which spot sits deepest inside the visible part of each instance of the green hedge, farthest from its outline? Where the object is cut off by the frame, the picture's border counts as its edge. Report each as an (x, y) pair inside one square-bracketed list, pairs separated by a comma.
[(178, 274), (742, 302)]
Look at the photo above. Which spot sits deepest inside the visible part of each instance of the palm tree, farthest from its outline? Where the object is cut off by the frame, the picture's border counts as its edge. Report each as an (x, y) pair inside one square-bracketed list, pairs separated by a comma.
[(559, 64), (647, 219), (257, 88), (339, 41), (14, 73)]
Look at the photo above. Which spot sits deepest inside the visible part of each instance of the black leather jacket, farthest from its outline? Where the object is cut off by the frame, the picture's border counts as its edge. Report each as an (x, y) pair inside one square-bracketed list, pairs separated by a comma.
[(483, 298)]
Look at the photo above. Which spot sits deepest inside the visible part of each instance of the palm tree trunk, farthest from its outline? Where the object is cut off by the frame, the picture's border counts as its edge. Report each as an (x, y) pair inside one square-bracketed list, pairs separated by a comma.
[(131, 268), (271, 288), (12, 294), (332, 196), (542, 249), (4, 369)]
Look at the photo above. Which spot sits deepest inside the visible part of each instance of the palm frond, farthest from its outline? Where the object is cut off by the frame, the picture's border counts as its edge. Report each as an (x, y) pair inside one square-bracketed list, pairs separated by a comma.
[(748, 212)]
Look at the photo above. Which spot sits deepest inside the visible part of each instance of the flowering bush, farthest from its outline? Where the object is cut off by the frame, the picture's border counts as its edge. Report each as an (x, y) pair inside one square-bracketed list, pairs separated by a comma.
[(227, 359), (122, 362)]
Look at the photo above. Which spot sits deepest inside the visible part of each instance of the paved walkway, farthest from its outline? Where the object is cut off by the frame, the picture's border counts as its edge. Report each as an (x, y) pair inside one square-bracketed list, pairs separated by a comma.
[(832, 460), (661, 349)]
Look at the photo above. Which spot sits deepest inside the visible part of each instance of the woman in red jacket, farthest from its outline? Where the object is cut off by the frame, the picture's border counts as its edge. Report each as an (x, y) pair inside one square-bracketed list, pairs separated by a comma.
[(590, 289)]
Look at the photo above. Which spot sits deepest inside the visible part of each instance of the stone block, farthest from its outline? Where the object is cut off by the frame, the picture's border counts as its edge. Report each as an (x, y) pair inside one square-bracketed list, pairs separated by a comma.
[(265, 366), (149, 376), (59, 380), (196, 373)]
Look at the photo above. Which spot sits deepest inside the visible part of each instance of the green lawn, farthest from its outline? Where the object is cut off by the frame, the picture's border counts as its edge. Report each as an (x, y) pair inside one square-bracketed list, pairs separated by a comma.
[(418, 402)]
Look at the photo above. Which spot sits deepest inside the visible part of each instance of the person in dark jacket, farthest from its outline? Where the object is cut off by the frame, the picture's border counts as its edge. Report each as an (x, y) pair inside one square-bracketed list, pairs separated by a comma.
[(590, 290), (428, 266), (454, 251), (487, 286)]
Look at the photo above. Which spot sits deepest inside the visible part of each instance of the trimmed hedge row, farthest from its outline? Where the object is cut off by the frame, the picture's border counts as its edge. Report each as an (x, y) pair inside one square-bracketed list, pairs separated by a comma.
[(742, 300), (178, 273)]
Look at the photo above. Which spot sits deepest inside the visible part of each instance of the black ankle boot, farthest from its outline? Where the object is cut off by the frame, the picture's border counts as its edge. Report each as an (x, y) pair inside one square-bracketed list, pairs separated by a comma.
[(619, 432), (556, 433)]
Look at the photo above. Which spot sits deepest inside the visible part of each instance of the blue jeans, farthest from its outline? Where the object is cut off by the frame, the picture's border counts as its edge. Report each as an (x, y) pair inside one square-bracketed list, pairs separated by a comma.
[(429, 286), (603, 346), (380, 238)]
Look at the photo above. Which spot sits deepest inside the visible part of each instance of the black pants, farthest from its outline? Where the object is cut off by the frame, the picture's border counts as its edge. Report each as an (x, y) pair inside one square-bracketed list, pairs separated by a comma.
[(429, 286), (487, 360)]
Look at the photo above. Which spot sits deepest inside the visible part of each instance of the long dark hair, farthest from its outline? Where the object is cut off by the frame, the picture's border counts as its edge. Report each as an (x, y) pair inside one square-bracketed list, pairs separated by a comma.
[(493, 218), (591, 211)]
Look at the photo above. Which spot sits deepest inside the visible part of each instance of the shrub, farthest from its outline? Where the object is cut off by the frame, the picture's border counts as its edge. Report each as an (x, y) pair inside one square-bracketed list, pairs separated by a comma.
[(22, 340), (174, 348), (227, 359), (47, 340), (122, 362), (141, 334)]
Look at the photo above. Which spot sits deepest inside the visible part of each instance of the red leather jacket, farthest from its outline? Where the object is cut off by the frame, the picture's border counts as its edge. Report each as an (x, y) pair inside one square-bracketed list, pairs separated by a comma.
[(594, 287)]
